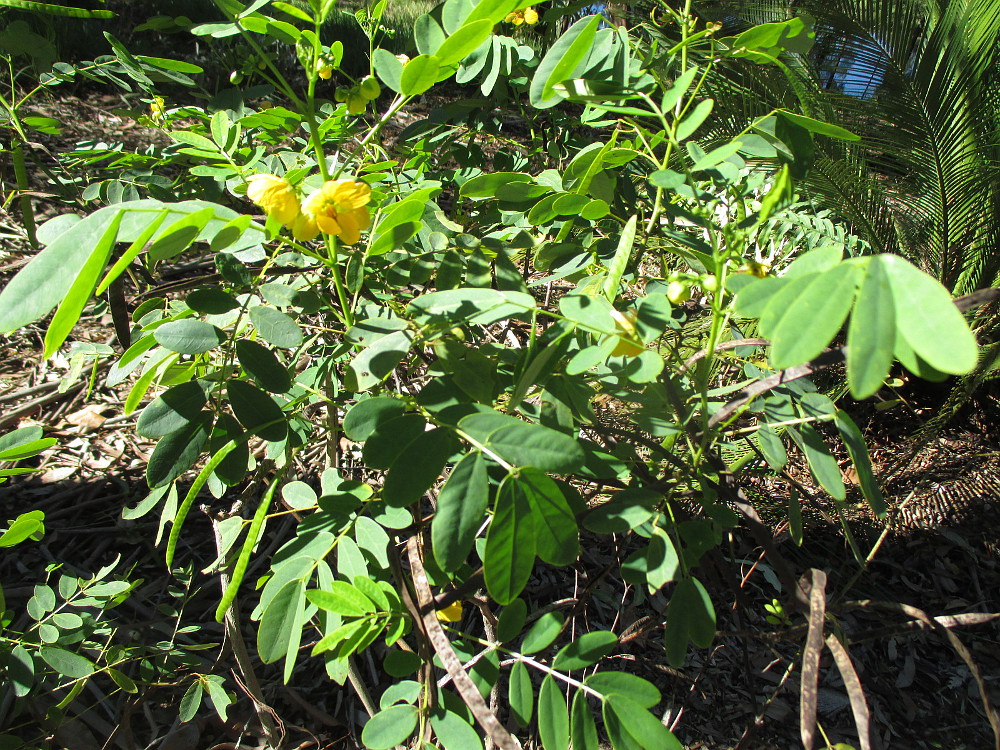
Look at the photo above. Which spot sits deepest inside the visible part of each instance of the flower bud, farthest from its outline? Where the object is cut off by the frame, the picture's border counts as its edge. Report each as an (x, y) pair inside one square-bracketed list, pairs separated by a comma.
[(370, 89), (678, 292)]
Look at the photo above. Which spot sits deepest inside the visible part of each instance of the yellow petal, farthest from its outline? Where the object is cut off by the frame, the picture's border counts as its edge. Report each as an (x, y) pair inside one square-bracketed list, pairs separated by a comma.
[(275, 195), (451, 613), (530, 16), (304, 228)]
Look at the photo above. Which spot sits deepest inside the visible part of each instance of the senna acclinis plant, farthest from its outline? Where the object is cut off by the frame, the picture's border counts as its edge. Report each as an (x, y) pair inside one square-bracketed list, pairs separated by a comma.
[(407, 350)]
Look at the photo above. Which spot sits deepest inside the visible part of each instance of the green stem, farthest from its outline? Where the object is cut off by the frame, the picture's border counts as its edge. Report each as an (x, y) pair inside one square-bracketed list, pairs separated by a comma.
[(338, 282), (21, 175)]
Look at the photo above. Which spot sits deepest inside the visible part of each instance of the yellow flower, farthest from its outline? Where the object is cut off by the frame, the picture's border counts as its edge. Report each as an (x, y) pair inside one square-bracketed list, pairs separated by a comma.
[(325, 71), (156, 109), (526, 15), (629, 344), (337, 208), (275, 195), (760, 270), (451, 613)]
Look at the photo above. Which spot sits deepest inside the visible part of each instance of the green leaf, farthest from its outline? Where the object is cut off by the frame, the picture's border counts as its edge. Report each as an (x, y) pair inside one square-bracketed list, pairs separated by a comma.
[(614, 725), (417, 467), (565, 59), (461, 510), (390, 727), (176, 238), (486, 185), (927, 319), (211, 301), (221, 700), (275, 327), (586, 650), (172, 410), (463, 42), (343, 599), (257, 411), (24, 527), (772, 446), (690, 615), (815, 261), (123, 681), (188, 336), (281, 623), (178, 451), (583, 730), (557, 538), (374, 363), (592, 312), (643, 692), (263, 366), (793, 35), (388, 440), (803, 329), (21, 670), (364, 417), (478, 306), (81, 289), (50, 9), (510, 544), (821, 461), (553, 719), (388, 68), (695, 119), (47, 278), (511, 620), (818, 127), (419, 74), (521, 694), (871, 335), (66, 662), (526, 444), (454, 733), (543, 632), (190, 701), (643, 727), (656, 565), (858, 451)]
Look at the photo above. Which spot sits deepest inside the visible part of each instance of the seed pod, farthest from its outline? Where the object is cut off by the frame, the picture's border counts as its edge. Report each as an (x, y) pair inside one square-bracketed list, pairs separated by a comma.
[(369, 88)]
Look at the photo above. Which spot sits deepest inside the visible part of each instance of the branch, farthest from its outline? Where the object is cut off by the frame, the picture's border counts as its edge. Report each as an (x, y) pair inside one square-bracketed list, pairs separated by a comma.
[(439, 639)]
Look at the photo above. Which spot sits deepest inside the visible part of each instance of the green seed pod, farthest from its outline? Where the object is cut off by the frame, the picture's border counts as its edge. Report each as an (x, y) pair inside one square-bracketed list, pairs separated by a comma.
[(370, 89), (678, 292)]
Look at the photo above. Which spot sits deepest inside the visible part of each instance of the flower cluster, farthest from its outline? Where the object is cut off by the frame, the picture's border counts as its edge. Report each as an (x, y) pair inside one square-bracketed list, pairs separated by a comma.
[(338, 207), (526, 15)]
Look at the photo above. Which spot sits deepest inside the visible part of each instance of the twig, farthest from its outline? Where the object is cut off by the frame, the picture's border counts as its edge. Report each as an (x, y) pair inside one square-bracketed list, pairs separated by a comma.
[(463, 683), (809, 692)]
